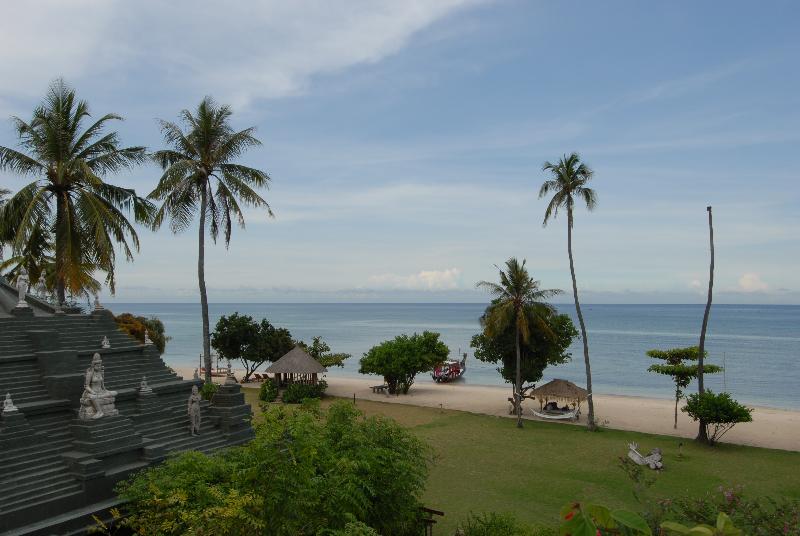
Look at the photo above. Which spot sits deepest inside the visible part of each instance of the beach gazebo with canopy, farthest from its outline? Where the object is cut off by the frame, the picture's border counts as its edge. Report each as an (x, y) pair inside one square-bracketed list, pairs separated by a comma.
[(559, 391), (296, 366)]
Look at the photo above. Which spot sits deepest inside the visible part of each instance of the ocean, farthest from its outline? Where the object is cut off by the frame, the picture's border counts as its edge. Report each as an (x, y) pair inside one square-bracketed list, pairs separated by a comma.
[(759, 345)]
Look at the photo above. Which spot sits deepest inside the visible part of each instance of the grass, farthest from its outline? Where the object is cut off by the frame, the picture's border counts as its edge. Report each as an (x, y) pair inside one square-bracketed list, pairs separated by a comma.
[(484, 463)]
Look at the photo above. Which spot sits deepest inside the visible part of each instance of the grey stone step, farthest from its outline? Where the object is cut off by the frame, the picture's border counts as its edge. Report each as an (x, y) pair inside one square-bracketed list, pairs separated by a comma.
[(53, 463), (37, 496), (25, 484)]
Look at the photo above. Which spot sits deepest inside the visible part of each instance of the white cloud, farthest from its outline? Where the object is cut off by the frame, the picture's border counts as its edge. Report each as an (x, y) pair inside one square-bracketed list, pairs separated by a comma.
[(424, 280), (695, 284), (238, 52), (751, 282)]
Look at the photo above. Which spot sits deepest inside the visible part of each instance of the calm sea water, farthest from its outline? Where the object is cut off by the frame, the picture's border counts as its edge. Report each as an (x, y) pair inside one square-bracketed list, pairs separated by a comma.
[(758, 345)]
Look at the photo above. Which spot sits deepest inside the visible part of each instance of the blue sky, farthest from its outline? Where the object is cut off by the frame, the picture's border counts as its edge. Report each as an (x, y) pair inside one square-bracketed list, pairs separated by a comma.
[(405, 139)]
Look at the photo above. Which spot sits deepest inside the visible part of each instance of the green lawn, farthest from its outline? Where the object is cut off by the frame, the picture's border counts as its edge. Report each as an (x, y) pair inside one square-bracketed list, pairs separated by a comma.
[(484, 463)]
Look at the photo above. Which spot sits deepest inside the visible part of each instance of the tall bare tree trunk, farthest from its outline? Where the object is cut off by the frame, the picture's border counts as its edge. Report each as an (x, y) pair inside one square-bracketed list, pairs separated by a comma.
[(701, 433), (61, 212), (677, 398), (201, 276), (518, 394), (589, 398)]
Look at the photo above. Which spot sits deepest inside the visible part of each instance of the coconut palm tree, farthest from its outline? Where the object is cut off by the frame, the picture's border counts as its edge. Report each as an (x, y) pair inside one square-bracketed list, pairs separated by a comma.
[(516, 300), (85, 215), (201, 176), (569, 177)]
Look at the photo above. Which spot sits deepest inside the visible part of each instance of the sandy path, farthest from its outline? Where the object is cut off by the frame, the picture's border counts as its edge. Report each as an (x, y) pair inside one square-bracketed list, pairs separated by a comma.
[(771, 428)]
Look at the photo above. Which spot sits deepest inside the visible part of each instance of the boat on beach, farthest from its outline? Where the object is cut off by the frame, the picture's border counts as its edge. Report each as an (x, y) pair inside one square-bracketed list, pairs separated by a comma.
[(450, 370)]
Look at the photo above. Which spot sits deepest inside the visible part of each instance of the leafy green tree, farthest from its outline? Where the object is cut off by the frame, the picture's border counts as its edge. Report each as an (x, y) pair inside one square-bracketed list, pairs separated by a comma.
[(304, 473), (569, 177), (677, 364), (719, 412), (84, 215), (518, 303), (319, 350), (201, 177), (399, 360), (253, 343), (138, 326), (544, 347)]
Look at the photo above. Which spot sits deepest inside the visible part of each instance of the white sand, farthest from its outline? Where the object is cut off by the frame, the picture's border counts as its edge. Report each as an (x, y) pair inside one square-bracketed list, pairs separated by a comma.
[(771, 428)]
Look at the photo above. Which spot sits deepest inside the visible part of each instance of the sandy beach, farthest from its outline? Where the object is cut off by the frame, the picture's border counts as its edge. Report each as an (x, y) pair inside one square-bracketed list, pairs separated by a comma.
[(771, 428)]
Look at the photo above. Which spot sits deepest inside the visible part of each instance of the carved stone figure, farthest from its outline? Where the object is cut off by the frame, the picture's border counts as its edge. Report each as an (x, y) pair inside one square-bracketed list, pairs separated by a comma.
[(22, 286), (652, 460), (96, 401), (143, 387), (196, 375), (97, 305), (41, 286), (147, 340), (105, 343), (8, 404), (194, 411)]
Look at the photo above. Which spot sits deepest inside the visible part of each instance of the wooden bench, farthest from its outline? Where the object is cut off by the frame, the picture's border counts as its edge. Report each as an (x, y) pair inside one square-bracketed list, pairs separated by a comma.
[(379, 388)]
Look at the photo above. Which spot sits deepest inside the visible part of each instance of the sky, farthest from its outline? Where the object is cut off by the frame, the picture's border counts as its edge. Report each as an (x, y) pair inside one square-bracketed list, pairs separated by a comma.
[(405, 140)]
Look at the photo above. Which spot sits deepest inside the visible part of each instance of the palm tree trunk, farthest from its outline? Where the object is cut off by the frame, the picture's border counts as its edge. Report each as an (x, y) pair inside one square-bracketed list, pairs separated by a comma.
[(201, 276), (589, 398), (701, 433), (518, 394), (677, 398), (61, 211)]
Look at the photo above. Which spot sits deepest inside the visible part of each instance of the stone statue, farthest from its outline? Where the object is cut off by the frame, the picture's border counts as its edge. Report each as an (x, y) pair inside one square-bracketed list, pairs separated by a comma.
[(652, 460), (147, 340), (97, 306), (143, 387), (196, 375), (105, 343), (8, 404), (41, 286), (22, 286), (96, 401), (194, 411)]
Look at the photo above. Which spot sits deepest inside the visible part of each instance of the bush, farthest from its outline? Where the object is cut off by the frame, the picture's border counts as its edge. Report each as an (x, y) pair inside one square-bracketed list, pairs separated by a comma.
[(718, 411), (136, 326), (495, 524), (208, 390), (402, 358), (297, 392), (268, 391), (302, 474)]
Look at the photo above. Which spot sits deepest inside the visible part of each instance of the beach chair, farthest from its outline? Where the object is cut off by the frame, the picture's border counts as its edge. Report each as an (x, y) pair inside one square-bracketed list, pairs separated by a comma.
[(379, 388)]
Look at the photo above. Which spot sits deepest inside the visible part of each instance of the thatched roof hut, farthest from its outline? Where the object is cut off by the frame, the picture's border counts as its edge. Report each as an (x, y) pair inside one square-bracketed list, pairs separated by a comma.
[(296, 366), (560, 390)]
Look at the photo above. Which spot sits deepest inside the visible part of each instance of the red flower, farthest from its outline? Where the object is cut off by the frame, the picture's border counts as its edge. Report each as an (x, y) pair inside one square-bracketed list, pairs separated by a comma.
[(569, 516)]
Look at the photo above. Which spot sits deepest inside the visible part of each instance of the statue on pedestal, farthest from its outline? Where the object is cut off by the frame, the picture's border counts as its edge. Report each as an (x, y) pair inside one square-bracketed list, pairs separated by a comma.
[(105, 343), (194, 411), (22, 286), (143, 387), (96, 401), (196, 375), (8, 405), (147, 340)]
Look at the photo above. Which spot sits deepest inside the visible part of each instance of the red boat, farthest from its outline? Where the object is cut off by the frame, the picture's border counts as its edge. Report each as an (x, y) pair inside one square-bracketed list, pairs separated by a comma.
[(450, 370)]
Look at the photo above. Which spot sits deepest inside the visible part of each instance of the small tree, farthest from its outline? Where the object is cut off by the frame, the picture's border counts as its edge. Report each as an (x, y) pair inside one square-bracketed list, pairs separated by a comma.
[(718, 411), (320, 351), (138, 326), (402, 358), (253, 343), (676, 366)]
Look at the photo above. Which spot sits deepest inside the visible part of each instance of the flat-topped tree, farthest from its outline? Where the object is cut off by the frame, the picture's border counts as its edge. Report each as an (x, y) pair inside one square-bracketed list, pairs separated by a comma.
[(84, 216), (201, 177), (681, 365)]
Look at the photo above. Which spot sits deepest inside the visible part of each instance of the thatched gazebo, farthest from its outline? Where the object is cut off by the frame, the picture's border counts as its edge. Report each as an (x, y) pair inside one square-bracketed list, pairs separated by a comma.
[(558, 390), (296, 366)]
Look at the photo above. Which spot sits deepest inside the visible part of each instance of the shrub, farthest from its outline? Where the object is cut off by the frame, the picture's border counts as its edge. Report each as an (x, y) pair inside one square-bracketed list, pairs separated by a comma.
[(402, 358), (208, 390), (718, 411), (302, 474), (578, 519), (297, 392), (494, 524), (135, 326), (268, 391), (723, 527)]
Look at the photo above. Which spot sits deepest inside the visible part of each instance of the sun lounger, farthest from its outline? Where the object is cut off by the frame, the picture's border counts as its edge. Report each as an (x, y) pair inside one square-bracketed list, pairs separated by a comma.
[(379, 388)]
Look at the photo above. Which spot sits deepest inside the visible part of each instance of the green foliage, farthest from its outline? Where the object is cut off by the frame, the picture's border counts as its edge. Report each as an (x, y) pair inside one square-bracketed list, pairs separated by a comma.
[(719, 411), (547, 345), (761, 516), (136, 326), (354, 529), (303, 474), (297, 392), (399, 360), (268, 391), (493, 524), (68, 213), (676, 366), (594, 520), (208, 390), (253, 343), (320, 351), (723, 527)]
